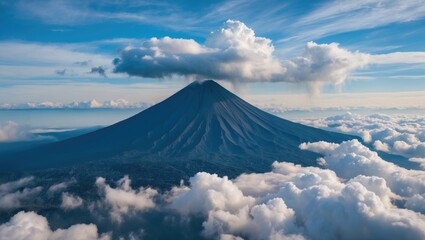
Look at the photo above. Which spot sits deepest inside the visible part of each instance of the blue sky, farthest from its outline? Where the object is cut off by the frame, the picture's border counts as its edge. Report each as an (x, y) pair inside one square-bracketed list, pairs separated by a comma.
[(62, 51)]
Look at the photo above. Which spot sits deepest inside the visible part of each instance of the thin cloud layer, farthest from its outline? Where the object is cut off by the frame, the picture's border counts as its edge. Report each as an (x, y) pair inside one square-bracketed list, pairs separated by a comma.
[(234, 53), (113, 104)]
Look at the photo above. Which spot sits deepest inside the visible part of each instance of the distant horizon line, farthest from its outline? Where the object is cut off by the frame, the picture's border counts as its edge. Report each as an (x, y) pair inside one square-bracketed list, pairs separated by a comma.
[(142, 106)]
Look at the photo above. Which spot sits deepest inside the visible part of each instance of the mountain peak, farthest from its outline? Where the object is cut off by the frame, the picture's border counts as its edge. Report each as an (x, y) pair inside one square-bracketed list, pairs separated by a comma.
[(202, 94), (202, 125), (205, 84)]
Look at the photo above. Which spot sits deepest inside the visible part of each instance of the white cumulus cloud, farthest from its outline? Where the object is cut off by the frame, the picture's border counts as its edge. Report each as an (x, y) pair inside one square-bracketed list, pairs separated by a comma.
[(31, 226), (234, 53), (70, 201), (295, 202), (11, 132), (125, 200), (323, 64), (351, 159), (208, 191)]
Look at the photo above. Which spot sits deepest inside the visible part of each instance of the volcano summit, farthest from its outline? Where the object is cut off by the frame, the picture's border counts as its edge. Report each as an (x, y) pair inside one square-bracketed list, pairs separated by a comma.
[(203, 127)]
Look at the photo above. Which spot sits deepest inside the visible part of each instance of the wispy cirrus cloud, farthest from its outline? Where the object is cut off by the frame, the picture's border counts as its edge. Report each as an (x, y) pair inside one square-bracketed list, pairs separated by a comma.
[(42, 54), (345, 16), (317, 21), (73, 13), (399, 57)]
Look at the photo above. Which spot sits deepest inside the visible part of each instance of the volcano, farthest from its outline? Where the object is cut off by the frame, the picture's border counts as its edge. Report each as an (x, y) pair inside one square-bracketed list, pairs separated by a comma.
[(203, 127)]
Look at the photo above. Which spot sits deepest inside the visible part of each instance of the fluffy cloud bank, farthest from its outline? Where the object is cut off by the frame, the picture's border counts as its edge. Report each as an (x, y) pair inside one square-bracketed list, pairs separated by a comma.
[(236, 54), (350, 159), (357, 195), (397, 134), (31, 226), (294, 202)]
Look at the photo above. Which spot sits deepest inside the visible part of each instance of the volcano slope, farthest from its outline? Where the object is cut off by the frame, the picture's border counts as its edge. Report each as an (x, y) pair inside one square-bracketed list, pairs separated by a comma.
[(203, 127)]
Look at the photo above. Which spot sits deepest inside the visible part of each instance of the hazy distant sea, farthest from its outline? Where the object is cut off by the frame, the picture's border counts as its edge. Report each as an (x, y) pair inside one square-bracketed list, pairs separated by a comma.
[(79, 118), (66, 118)]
